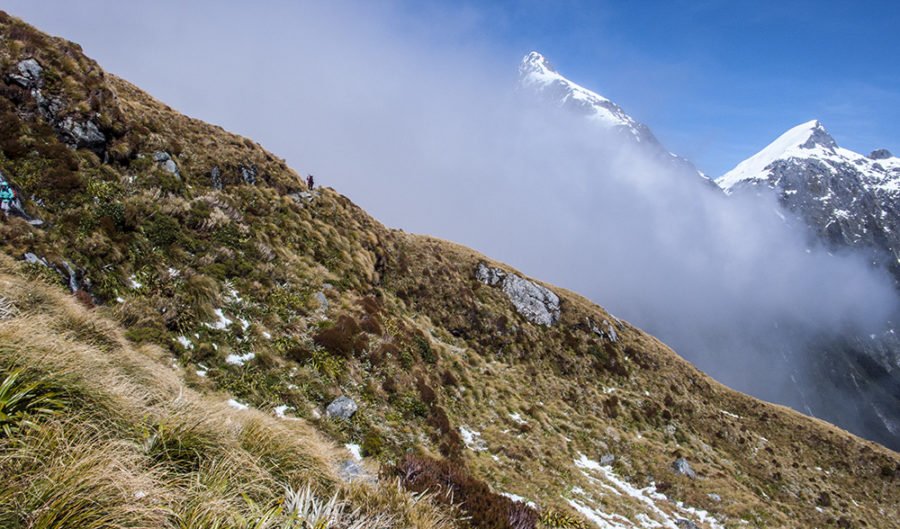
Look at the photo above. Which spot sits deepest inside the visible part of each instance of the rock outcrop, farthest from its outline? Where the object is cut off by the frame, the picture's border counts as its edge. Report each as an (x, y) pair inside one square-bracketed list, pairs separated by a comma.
[(535, 303)]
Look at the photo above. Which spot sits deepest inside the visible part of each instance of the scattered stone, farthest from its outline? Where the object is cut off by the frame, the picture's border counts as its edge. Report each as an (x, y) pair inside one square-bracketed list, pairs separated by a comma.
[(607, 460), (81, 133), (714, 497), (301, 197), (683, 523), (215, 176), (534, 302), (165, 161), (681, 466), (342, 407)]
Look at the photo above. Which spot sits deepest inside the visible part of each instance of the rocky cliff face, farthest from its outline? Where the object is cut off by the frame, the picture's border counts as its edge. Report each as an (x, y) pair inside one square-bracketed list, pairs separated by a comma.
[(848, 200)]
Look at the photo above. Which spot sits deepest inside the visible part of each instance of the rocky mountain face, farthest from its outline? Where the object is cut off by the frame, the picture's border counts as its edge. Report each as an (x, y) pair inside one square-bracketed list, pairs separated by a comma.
[(849, 200), (224, 332), (537, 75)]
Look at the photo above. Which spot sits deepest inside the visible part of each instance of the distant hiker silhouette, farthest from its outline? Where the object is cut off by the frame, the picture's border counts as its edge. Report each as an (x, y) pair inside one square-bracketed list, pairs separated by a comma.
[(310, 182), (7, 197)]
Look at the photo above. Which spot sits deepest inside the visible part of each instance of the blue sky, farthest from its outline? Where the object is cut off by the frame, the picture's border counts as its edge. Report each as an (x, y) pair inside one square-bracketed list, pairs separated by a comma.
[(716, 80)]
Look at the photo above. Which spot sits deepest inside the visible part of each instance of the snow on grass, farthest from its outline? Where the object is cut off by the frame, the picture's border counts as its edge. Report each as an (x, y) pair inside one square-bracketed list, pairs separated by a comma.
[(517, 418), (222, 321), (354, 450), (239, 360), (658, 510), (240, 406), (185, 342), (134, 283), (520, 499), (472, 439)]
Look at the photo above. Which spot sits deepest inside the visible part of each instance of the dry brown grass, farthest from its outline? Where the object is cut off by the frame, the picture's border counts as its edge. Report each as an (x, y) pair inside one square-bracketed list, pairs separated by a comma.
[(134, 447)]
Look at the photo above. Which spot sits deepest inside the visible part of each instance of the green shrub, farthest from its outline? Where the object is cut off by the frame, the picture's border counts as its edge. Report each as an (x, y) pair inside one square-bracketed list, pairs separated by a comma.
[(24, 402)]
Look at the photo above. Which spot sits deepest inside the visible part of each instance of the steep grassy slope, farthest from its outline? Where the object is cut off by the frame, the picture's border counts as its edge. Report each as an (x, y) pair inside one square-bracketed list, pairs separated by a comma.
[(199, 243)]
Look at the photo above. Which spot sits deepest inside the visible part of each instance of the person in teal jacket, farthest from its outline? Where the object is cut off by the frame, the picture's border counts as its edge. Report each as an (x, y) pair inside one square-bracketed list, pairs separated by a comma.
[(7, 196)]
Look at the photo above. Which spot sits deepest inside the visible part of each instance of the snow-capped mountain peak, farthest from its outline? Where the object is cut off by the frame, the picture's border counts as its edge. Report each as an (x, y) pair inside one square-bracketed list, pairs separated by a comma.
[(810, 142), (537, 73)]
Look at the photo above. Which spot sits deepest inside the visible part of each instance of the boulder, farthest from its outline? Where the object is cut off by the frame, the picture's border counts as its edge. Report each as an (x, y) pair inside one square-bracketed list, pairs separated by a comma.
[(215, 177), (165, 161), (342, 407), (30, 74), (81, 133), (248, 174), (534, 302), (682, 467), (683, 523)]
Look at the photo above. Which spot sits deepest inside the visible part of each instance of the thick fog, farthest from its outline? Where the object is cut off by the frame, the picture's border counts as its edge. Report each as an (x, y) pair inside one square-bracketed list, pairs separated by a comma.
[(427, 130)]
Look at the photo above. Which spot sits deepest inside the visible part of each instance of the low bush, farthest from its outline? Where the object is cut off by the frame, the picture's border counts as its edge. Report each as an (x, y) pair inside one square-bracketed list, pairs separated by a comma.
[(452, 483)]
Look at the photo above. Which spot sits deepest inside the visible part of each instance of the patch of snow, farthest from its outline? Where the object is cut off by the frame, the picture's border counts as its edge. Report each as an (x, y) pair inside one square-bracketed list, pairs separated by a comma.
[(135, 284), (185, 342), (472, 439), (239, 360), (658, 511), (222, 321), (520, 499), (279, 410), (354, 450), (517, 418), (237, 405)]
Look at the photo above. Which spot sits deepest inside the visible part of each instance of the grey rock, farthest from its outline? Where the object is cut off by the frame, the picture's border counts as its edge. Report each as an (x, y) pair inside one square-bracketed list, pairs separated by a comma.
[(301, 197), (352, 471), (165, 161), (249, 173), (342, 408), (215, 177), (322, 300), (30, 74), (714, 497), (34, 259), (684, 523), (74, 286), (880, 154), (81, 133), (607, 459), (534, 302), (682, 467)]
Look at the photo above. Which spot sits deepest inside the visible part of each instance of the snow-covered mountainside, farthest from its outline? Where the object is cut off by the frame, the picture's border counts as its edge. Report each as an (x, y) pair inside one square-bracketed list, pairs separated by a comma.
[(848, 199), (537, 74)]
